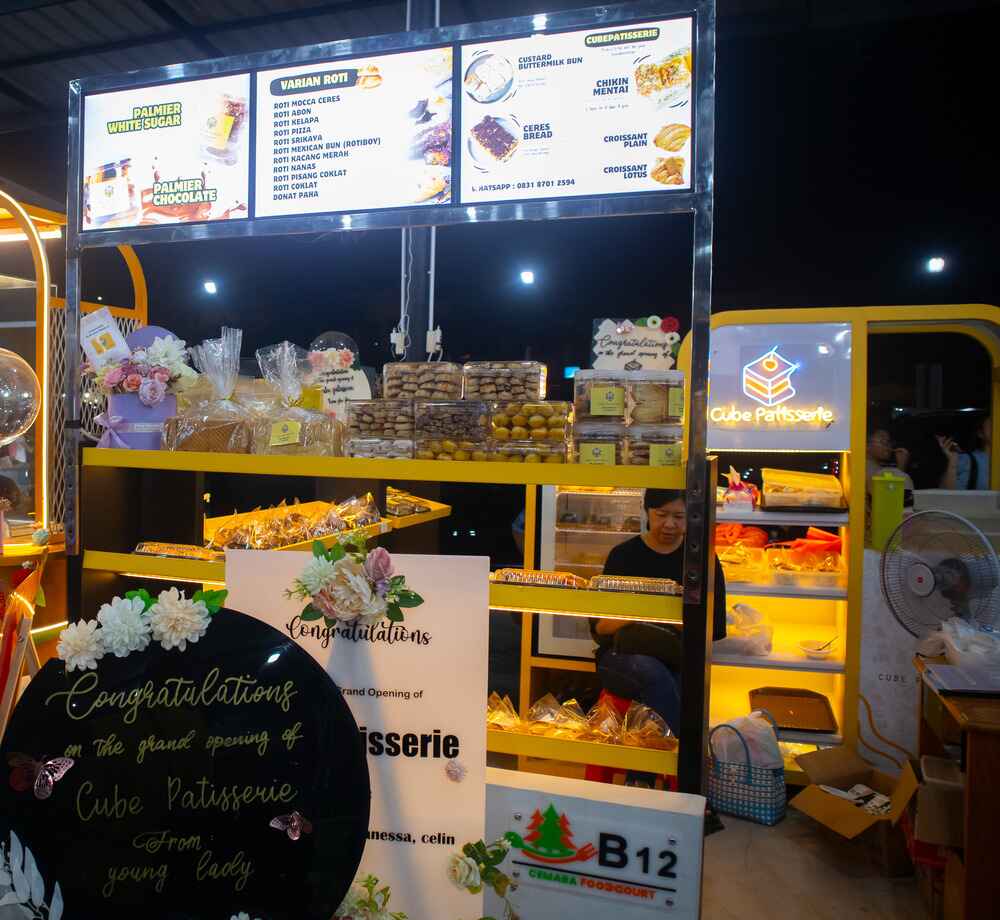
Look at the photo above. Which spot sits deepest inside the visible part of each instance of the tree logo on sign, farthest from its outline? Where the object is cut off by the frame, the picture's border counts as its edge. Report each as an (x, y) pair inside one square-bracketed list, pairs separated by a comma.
[(550, 839)]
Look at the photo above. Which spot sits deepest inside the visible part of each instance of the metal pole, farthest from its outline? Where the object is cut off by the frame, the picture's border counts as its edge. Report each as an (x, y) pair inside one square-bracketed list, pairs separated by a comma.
[(417, 274), (71, 386), (699, 549)]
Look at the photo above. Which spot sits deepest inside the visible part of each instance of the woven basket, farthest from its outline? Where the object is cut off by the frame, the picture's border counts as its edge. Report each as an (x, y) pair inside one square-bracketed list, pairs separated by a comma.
[(743, 790)]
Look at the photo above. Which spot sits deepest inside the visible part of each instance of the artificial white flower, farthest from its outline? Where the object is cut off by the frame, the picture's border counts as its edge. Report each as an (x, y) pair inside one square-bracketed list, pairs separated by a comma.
[(504, 844), (317, 575), (653, 322), (673, 338), (80, 645), (176, 620), (123, 627), (463, 872), (167, 352), (242, 915), (350, 592)]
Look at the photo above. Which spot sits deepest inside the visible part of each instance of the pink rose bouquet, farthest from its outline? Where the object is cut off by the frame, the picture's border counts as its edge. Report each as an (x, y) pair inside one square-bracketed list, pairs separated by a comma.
[(151, 372)]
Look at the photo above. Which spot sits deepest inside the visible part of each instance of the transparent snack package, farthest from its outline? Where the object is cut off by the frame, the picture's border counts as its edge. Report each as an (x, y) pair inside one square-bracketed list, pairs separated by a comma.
[(422, 380), (504, 380), (643, 727), (538, 578), (655, 398)]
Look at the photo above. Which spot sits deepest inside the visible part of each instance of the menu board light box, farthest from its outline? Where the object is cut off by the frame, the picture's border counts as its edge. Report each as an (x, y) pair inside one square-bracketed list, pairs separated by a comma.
[(593, 112), (589, 112)]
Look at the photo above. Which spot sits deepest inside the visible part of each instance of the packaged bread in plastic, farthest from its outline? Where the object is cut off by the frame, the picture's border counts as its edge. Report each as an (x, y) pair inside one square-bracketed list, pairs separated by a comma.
[(281, 427), (791, 489), (539, 578), (217, 425)]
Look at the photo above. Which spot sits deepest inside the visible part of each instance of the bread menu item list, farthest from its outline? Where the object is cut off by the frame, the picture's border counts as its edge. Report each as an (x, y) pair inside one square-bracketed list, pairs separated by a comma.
[(589, 112)]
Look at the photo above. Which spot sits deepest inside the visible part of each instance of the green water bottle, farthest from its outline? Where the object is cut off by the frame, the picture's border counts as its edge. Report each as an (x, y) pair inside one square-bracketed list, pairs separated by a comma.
[(887, 507)]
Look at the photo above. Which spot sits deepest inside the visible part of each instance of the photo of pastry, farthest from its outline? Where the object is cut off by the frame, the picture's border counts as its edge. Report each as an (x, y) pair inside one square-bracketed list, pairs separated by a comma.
[(369, 77), (438, 68), (494, 140), (665, 82), (672, 137), (489, 78), (668, 171), (430, 185)]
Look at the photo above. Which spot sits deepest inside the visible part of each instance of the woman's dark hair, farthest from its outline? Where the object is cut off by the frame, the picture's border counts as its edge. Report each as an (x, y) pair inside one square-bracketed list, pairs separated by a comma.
[(656, 498)]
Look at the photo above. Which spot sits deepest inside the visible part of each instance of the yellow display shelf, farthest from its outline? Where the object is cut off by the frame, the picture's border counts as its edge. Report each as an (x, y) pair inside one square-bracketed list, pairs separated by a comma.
[(14, 554), (436, 512), (586, 752), (413, 470), (586, 603)]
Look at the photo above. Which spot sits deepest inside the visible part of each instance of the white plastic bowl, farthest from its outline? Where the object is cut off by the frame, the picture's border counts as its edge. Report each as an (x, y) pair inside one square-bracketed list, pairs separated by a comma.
[(811, 649)]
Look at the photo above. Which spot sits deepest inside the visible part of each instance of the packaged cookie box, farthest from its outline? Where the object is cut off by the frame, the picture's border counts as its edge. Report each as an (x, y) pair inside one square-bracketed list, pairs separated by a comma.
[(422, 380), (455, 419), (504, 380), (654, 445), (450, 449), (600, 396), (655, 398), (532, 421), (380, 418), (380, 448), (599, 445), (542, 452)]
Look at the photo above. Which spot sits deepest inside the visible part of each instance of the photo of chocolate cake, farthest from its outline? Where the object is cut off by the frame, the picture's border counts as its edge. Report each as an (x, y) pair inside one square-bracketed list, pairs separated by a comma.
[(495, 139)]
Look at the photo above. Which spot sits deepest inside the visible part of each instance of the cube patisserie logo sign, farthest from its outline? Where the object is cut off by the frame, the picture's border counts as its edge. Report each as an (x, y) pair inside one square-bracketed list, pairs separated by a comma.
[(768, 380)]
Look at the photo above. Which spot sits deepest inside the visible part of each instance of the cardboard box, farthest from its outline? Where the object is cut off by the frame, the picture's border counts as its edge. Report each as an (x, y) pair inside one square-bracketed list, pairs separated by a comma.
[(841, 768)]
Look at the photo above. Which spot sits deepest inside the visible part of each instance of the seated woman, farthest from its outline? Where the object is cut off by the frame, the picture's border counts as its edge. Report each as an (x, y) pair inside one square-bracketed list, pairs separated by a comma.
[(642, 660)]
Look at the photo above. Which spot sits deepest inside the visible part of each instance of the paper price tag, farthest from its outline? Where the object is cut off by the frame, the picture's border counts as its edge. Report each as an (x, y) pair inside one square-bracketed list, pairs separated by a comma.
[(597, 454), (607, 401), (285, 432), (675, 402)]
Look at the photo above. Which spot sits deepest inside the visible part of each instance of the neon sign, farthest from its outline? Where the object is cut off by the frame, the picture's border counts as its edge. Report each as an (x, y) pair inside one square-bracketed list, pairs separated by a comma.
[(810, 416), (768, 379)]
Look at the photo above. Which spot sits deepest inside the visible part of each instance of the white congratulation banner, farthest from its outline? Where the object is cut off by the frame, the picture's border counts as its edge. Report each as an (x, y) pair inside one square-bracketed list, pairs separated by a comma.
[(417, 691)]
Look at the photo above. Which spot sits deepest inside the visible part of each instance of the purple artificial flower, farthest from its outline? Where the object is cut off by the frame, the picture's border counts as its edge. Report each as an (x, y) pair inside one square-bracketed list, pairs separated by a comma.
[(382, 587), (161, 374), (113, 377), (151, 392), (378, 565)]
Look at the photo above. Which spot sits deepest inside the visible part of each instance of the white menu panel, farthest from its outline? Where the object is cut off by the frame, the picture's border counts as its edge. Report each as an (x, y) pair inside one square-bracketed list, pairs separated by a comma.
[(169, 154), (355, 135), (589, 112)]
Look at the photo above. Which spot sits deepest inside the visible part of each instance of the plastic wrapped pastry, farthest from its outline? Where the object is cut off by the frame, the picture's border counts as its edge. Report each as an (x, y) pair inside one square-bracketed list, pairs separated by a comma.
[(219, 425), (790, 489), (634, 585), (541, 579), (500, 713), (645, 728), (280, 427)]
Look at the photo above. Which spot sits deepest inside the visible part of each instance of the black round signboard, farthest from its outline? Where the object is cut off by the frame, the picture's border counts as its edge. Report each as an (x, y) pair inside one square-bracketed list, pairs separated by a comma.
[(225, 780)]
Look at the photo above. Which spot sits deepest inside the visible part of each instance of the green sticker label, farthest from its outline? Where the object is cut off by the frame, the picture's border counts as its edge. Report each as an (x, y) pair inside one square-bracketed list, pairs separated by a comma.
[(597, 454), (675, 402), (607, 401), (665, 454)]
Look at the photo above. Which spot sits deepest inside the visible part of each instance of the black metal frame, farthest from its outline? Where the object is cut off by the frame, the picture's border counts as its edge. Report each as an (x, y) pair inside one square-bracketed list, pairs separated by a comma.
[(698, 201)]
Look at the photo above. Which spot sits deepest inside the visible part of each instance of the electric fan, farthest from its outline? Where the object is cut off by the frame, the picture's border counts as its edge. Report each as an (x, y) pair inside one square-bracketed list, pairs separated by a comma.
[(936, 566)]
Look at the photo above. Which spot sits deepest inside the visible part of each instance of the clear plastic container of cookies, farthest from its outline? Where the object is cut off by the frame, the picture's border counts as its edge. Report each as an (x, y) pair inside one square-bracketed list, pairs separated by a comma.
[(380, 418), (654, 445), (519, 452), (600, 395), (634, 585), (455, 419), (532, 421), (422, 380), (450, 449), (539, 578), (599, 444), (504, 380), (380, 448), (655, 398)]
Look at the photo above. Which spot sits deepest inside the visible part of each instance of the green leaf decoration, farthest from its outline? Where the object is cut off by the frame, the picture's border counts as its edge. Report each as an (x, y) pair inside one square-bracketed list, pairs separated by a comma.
[(408, 598), (330, 622), (336, 552), (40, 597), (143, 595), (394, 614), (641, 321), (397, 581), (213, 600), (310, 613), (319, 550)]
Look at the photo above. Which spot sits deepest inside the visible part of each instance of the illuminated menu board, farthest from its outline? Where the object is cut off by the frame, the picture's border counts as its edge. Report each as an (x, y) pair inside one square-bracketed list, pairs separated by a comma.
[(589, 112), (170, 154), (355, 135)]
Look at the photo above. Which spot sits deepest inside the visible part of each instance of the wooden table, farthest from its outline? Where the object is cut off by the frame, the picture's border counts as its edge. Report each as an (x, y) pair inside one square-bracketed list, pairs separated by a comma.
[(974, 723)]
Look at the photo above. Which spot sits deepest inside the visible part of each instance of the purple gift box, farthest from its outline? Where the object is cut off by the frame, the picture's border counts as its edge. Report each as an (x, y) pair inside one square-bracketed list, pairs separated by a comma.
[(128, 423)]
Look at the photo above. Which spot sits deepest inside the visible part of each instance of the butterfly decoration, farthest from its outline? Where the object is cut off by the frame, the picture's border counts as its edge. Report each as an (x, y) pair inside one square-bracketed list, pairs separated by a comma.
[(295, 825), (40, 775)]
